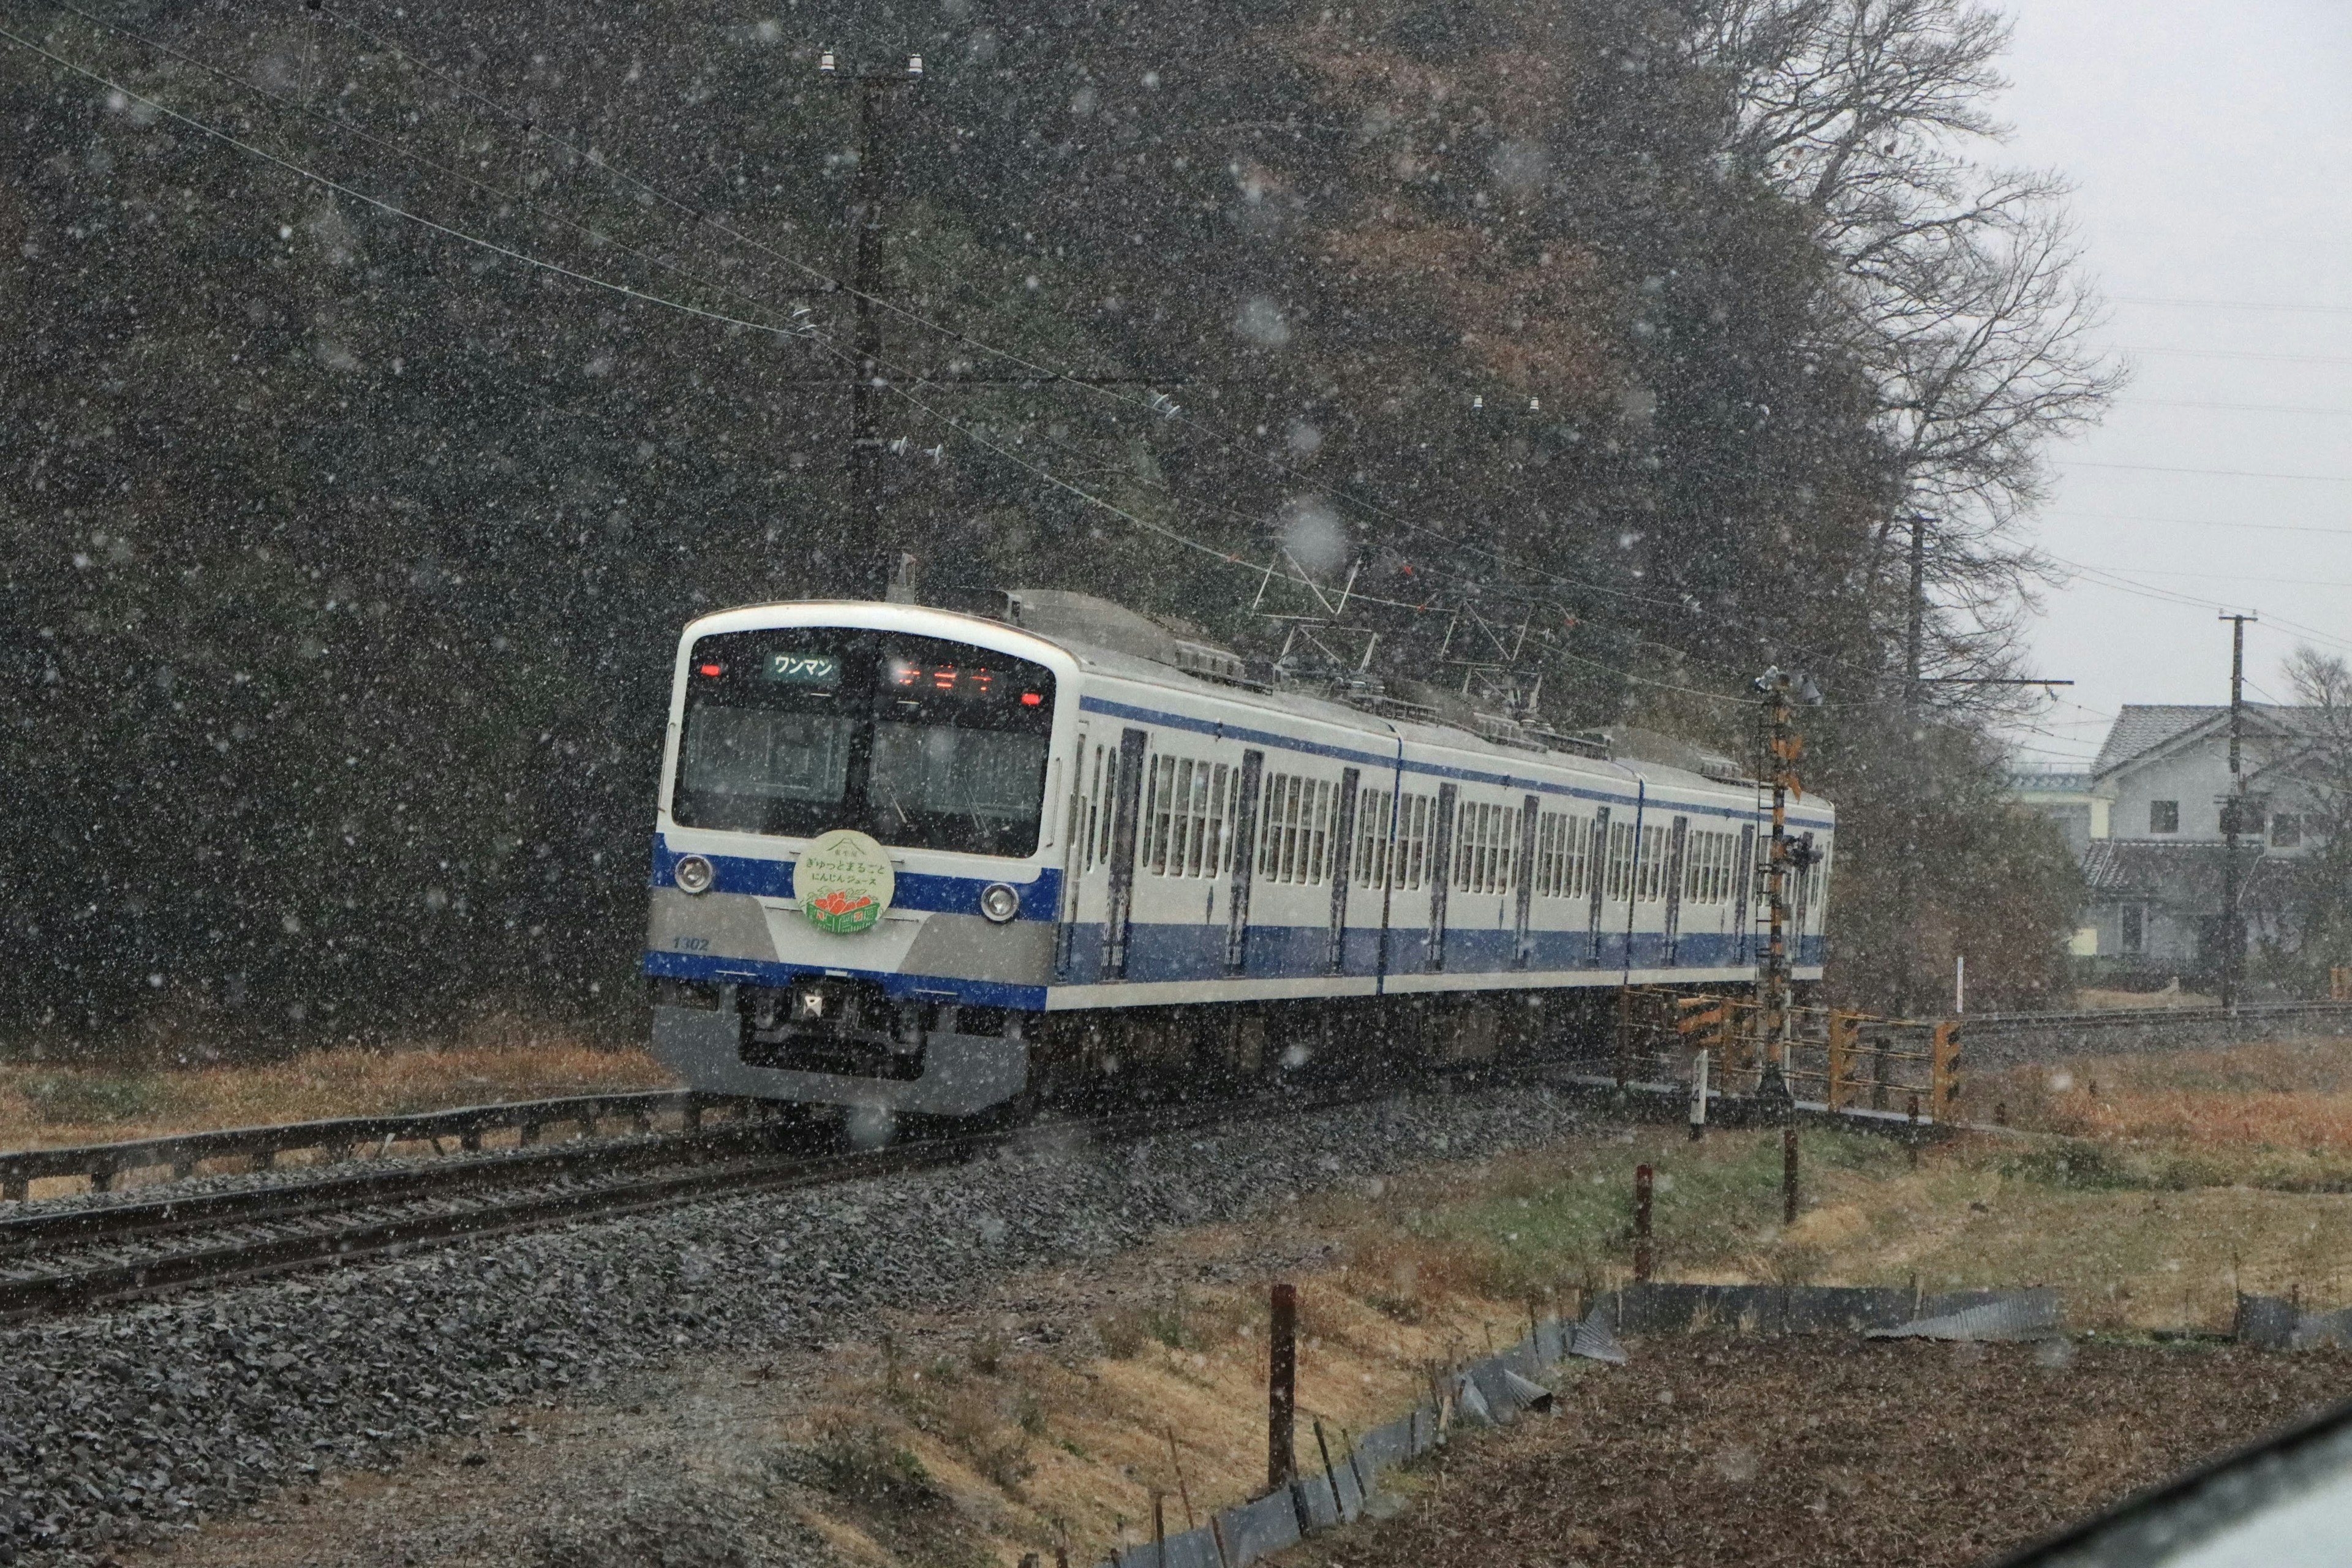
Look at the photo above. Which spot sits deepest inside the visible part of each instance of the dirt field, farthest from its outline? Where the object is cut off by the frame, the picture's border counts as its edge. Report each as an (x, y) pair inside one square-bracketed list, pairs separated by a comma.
[(1826, 1452)]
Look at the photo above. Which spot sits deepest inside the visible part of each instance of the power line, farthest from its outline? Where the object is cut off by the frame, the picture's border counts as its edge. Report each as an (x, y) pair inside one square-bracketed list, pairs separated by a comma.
[(381, 206), (2106, 578), (2218, 473), (2200, 523), (2237, 407), (2237, 354), (2231, 577), (1053, 373), (2228, 304)]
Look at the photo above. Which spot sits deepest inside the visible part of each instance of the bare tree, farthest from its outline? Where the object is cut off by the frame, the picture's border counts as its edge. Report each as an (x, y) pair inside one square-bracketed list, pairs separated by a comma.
[(2316, 934), (1956, 285)]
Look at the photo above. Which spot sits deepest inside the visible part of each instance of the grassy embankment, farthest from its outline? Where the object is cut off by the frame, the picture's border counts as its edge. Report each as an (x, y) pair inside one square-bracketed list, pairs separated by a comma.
[(45, 1105), (2148, 1190)]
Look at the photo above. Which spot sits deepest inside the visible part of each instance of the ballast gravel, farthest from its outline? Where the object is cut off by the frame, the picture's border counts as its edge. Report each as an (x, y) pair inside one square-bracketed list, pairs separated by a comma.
[(117, 1427)]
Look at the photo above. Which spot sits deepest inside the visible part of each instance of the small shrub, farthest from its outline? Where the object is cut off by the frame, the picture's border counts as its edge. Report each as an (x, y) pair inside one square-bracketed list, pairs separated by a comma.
[(2081, 1165), (864, 1464), (1793, 1263), (68, 1098), (988, 1355), (1166, 1323), (1029, 1413), (1122, 1333)]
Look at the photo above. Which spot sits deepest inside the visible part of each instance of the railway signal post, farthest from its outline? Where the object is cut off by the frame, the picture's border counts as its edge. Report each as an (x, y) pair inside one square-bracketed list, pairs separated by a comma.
[(1784, 745)]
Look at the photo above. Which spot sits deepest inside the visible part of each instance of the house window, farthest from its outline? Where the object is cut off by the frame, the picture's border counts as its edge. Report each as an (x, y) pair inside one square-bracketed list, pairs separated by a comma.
[(2163, 817), (2287, 830), (2134, 928)]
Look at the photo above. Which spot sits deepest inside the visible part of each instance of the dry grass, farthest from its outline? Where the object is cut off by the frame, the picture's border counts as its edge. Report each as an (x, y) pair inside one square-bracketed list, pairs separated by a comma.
[(2276, 1114), (2091, 997), (1163, 1391), (45, 1106)]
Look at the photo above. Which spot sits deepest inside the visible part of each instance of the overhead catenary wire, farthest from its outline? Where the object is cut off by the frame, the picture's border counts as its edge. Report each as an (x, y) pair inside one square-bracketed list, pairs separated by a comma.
[(389, 208), (799, 333), (1050, 373), (1486, 590)]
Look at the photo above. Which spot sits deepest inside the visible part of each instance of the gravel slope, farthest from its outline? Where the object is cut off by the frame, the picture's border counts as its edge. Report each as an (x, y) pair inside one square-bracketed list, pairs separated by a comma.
[(115, 1426)]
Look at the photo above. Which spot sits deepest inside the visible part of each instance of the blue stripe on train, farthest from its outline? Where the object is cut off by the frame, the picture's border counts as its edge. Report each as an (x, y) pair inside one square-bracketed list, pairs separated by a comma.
[(1158, 953), (756, 972), (1040, 899)]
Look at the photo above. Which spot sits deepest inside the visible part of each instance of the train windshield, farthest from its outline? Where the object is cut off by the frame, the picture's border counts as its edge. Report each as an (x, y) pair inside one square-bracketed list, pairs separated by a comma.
[(921, 743)]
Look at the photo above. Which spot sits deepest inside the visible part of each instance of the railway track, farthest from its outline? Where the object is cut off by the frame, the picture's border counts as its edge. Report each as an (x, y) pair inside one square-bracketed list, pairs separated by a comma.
[(67, 1260), (75, 1259), (70, 1260)]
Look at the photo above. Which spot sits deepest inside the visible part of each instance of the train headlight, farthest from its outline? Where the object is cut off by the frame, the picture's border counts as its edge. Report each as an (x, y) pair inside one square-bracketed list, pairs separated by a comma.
[(694, 874), (999, 903)]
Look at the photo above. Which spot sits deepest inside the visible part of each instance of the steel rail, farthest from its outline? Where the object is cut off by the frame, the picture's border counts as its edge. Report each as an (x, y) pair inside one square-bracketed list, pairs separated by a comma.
[(85, 1283), (134, 1219), (182, 1152)]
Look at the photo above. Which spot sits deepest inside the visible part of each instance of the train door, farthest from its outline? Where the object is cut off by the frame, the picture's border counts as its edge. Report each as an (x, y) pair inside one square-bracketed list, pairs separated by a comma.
[(1743, 882), (1341, 859), (1126, 807), (1677, 845), (1598, 874), (1077, 842), (1245, 857), (1523, 879), (1441, 870)]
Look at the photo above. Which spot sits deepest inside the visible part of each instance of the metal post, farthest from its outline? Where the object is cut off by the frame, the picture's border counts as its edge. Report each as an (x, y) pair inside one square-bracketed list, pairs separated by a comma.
[(1183, 1492), (1944, 1070), (1282, 1386), (1642, 1188), (1789, 1175), (1699, 1094), (1840, 1054), (1773, 981), (2234, 933)]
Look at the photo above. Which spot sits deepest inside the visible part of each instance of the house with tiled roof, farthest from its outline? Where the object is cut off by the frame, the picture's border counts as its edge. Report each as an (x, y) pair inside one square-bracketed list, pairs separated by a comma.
[(2145, 821)]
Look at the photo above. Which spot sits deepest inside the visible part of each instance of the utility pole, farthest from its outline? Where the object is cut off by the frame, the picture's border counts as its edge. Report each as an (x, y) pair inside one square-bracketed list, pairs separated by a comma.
[(1773, 979), (887, 569), (1916, 637), (1914, 644), (2233, 807)]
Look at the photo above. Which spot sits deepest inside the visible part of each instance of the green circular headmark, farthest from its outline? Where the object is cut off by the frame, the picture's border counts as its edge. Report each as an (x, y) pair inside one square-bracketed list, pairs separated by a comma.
[(844, 881)]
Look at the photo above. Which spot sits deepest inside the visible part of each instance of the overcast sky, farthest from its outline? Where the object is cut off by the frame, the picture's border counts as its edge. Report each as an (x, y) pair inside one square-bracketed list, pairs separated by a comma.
[(2211, 143)]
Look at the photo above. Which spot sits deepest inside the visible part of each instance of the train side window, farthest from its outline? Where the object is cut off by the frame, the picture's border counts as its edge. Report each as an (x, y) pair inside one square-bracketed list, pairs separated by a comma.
[(1110, 814), (1621, 859), (1230, 788), (1294, 828), (1269, 826), (1177, 810), (1325, 812), (1092, 812), (1381, 826), (1418, 872), (1159, 785)]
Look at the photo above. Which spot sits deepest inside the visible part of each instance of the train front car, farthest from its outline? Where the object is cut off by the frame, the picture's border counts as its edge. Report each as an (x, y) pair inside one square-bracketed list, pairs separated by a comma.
[(852, 897)]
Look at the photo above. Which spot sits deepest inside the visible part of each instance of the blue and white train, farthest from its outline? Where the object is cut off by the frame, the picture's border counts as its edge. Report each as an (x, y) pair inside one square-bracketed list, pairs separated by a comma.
[(1094, 849)]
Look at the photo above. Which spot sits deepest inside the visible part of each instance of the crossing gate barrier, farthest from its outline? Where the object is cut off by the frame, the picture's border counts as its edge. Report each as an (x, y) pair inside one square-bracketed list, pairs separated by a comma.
[(1843, 1060)]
